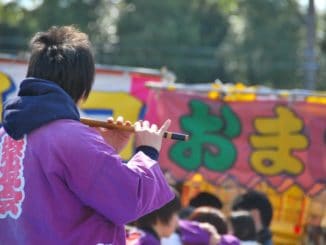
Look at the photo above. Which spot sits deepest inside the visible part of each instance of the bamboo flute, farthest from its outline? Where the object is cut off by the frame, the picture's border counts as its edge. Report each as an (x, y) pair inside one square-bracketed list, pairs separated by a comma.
[(98, 123)]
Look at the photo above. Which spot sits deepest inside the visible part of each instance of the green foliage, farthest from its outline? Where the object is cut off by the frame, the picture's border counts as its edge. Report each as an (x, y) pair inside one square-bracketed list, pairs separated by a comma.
[(256, 41), (268, 44), (65, 13), (18, 24), (183, 35), (13, 27), (252, 41)]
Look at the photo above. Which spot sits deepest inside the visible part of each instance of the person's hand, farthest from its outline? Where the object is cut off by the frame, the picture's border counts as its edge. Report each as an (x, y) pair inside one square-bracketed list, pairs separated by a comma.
[(150, 135), (118, 139), (214, 236)]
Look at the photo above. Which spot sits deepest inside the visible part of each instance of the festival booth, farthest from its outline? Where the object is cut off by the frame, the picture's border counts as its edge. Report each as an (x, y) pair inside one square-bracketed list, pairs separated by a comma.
[(240, 137), (248, 138)]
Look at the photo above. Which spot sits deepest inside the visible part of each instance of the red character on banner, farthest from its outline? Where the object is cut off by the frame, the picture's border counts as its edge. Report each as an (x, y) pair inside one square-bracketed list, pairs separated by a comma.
[(11, 177)]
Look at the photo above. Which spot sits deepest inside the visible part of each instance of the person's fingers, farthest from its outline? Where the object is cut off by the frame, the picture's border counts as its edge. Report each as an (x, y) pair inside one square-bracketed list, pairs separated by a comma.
[(127, 123), (154, 127), (119, 120), (137, 126), (146, 124), (110, 119), (164, 127)]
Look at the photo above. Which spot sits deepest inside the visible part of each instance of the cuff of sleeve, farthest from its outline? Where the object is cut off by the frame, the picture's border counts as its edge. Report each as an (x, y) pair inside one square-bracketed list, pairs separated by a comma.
[(149, 151)]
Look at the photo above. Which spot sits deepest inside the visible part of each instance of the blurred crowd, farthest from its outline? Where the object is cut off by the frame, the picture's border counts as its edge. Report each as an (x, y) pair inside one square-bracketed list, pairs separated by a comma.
[(203, 221)]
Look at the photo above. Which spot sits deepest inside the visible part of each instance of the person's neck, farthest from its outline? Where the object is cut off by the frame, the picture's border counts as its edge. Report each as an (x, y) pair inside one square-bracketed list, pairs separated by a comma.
[(264, 235), (158, 230), (152, 230)]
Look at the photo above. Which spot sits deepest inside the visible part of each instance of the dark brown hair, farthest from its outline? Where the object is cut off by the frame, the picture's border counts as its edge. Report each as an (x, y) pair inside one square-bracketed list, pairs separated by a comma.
[(206, 199), (63, 55), (255, 200), (163, 214), (243, 225), (212, 216)]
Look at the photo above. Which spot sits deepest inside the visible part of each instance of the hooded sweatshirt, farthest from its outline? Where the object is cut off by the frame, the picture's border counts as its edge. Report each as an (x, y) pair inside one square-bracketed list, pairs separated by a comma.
[(60, 183)]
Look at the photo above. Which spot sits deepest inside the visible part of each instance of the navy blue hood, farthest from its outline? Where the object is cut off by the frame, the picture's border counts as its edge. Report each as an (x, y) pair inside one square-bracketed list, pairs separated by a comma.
[(38, 102)]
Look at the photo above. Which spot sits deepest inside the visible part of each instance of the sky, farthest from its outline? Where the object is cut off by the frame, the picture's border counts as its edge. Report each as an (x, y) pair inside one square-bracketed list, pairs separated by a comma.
[(320, 4)]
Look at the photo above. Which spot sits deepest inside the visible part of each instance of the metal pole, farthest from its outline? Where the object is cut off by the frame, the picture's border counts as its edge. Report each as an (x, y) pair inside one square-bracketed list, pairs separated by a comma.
[(310, 65)]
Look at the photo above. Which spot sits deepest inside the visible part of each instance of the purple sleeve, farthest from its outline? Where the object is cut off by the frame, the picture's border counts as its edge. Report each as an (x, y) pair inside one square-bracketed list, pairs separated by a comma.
[(122, 192), (140, 237), (149, 240), (191, 233), (229, 240)]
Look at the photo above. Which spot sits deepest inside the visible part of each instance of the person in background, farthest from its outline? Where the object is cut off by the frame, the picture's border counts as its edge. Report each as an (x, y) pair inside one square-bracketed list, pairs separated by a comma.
[(203, 233), (205, 199), (261, 210), (212, 216), (186, 212), (159, 224), (201, 230), (243, 227), (61, 181)]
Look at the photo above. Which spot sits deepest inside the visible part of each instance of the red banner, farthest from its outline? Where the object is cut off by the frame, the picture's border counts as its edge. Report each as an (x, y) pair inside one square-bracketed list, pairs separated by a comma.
[(277, 141)]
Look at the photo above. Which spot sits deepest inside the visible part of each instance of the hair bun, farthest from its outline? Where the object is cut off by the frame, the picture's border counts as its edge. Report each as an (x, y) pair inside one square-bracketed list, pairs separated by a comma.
[(48, 41)]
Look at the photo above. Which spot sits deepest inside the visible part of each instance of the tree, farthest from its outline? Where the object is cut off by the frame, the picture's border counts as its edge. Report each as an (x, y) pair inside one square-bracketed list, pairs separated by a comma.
[(183, 35), (18, 24), (256, 41), (13, 28), (252, 41), (266, 46)]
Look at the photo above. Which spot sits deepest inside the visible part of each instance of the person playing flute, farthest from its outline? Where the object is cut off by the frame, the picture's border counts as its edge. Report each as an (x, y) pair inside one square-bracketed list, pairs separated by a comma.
[(61, 181)]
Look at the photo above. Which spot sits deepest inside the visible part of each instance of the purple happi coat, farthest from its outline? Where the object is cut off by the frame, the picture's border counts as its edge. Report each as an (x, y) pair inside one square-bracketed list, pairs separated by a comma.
[(137, 236), (60, 183)]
